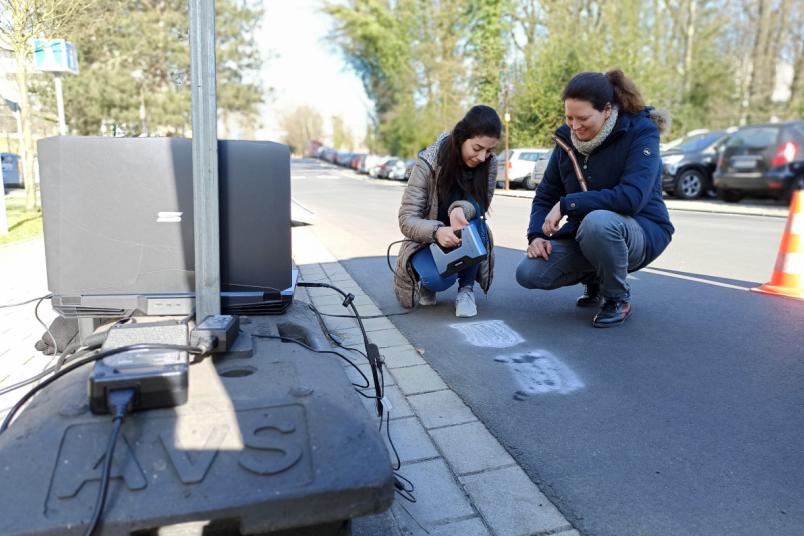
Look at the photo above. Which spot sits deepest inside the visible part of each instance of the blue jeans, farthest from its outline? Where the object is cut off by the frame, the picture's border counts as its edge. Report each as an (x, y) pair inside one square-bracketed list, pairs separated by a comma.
[(424, 265), (606, 247)]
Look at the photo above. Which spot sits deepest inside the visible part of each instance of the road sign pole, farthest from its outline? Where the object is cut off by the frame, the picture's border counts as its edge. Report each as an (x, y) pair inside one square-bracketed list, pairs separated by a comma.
[(3, 217), (60, 105), (205, 159)]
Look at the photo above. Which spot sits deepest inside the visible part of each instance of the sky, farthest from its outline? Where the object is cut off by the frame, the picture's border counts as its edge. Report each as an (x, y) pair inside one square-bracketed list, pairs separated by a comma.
[(305, 69)]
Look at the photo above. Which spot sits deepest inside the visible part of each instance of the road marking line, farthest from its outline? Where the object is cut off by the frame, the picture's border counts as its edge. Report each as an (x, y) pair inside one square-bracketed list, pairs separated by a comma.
[(696, 279)]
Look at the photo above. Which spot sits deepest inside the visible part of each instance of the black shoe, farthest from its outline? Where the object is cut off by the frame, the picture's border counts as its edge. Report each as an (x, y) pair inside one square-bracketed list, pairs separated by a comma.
[(591, 296), (612, 313)]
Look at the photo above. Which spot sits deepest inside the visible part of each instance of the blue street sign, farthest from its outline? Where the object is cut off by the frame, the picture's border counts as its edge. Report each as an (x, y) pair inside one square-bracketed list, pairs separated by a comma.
[(55, 55)]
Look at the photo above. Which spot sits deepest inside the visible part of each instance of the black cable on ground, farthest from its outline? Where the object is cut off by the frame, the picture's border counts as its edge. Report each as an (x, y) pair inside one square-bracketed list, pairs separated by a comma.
[(63, 359), (402, 485), (120, 402), (333, 352), (330, 335), (372, 352), (78, 364)]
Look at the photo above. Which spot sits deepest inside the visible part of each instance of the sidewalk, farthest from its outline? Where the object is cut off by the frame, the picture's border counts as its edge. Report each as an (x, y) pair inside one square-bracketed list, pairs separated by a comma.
[(754, 207), (466, 483), (23, 276)]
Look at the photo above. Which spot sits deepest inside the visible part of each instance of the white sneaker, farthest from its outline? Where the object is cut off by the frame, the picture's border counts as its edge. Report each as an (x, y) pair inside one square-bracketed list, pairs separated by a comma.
[(427, 297), (465, 303)]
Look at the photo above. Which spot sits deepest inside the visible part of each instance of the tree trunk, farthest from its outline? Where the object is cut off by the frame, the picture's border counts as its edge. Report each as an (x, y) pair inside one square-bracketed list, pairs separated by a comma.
[(27, 150), (689, 44)]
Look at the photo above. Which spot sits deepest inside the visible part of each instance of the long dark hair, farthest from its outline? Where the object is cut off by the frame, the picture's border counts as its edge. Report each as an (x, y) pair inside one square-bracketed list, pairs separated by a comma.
[(480, 120), (600, 89)]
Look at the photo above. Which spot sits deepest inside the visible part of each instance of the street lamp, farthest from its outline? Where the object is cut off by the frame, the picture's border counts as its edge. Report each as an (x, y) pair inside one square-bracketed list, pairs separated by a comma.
[(139, 77), (506, 118)]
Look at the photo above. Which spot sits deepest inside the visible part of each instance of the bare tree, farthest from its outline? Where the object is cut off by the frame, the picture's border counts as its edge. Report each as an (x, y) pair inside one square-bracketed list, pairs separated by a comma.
[(21, 21), (301, 126)]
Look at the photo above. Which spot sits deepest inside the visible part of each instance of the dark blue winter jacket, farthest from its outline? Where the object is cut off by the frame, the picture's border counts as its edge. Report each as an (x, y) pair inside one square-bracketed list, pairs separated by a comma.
[(623, 175)]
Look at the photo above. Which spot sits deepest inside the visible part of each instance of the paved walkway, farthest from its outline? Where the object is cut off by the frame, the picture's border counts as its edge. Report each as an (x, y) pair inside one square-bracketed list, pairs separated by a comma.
[(466, 483), (22, 277)]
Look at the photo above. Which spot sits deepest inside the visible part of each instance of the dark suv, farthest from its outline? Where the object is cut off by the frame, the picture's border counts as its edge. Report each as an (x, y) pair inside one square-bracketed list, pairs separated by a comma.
[(688, 165), (761, 160)]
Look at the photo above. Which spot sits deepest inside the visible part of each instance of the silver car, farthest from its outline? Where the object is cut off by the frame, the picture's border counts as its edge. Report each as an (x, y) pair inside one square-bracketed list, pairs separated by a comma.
[(537, 173), (520, 165)]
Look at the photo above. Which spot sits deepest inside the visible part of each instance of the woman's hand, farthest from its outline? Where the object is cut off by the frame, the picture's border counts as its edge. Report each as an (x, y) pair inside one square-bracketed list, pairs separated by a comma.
[(550, 225), (446, 238), (457, 218), (539, 247)]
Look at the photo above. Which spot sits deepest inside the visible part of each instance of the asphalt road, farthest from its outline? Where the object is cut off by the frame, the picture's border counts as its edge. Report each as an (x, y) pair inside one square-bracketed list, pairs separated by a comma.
[(687, 420)]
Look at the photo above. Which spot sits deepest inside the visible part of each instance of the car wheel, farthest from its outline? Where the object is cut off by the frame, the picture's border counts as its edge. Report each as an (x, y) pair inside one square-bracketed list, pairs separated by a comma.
[(500, 185), (729, 196), (796, 184), (530, 183), (690, 184)]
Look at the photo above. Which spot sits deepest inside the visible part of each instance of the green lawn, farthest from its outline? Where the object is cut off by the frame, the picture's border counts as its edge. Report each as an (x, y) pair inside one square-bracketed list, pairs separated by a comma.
[(22, 224)]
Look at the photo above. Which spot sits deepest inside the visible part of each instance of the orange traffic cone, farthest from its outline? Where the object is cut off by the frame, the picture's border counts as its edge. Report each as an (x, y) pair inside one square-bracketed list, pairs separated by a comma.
[(788, 274)]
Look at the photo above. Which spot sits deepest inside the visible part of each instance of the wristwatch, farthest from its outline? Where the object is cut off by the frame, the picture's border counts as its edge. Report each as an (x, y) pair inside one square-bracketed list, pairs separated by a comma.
[(435, 230)]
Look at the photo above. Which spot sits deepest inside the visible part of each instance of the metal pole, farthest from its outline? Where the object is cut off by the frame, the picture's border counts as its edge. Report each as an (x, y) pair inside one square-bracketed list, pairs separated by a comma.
[(60, 105), (506, 118), (3, 217), (205, 159)]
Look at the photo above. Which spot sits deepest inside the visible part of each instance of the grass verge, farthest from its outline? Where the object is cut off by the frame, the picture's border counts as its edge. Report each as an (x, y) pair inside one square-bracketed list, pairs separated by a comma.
[(22, 224)]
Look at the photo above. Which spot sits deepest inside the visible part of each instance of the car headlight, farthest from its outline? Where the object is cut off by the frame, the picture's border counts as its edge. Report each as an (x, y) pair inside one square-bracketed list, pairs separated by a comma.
[(672, 160)]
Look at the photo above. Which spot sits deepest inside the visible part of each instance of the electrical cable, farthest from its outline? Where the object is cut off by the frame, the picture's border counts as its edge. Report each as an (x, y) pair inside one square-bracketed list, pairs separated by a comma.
[(375, 362), (120, 401), (55, 368), (307, 346), (330, 335), (47, 329), (402, 485), (78, 364), (46, 296)]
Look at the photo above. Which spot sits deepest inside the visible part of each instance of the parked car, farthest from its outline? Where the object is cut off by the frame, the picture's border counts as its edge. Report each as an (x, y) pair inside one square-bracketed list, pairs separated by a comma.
[(689, 164), (538, 171), (11, 176), (761, 160), (385, 169), (370, 161), (409, 168), (399, 171), (374, 171), (520, 164)]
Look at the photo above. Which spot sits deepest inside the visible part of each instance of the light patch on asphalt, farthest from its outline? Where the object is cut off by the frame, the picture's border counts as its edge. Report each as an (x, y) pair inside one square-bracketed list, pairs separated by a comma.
[(489, 334), (539, 372)]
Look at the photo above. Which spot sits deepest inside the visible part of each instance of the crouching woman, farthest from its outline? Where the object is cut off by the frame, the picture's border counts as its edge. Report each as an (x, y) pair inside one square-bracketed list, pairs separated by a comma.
[(450, 188)]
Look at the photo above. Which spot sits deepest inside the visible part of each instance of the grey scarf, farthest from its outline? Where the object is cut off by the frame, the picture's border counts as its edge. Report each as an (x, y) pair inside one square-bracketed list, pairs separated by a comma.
[(586, 147)]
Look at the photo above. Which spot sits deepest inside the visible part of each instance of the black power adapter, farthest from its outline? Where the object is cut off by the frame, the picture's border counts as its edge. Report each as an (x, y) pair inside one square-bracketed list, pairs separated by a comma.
[(159, 376), (216, 333)]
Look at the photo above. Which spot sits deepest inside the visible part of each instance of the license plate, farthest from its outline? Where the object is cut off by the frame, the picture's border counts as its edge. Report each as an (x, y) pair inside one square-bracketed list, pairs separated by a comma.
[(744, 164)]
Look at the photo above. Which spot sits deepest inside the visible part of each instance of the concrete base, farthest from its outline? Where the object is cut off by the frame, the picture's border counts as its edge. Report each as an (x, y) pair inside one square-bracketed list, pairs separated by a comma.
[(267, 443)]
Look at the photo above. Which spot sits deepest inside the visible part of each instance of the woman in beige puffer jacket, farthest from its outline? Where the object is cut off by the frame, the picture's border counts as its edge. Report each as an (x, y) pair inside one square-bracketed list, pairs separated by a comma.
[(460, 166)]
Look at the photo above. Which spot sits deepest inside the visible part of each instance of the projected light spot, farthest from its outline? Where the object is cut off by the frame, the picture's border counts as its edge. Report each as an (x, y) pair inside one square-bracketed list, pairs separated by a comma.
[(540, 372), (488, 334)]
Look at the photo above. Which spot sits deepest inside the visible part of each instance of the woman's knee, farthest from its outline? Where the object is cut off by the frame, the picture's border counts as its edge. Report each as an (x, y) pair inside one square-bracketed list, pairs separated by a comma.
[(530, 274), (597, 224)]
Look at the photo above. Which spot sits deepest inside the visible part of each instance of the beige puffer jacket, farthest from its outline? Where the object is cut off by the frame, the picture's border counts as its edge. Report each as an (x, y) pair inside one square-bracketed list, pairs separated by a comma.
[(418, 219)]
